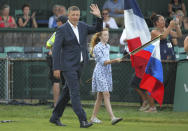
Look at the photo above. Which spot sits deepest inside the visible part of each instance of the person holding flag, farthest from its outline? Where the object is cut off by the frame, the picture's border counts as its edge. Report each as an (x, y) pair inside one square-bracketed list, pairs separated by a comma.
[(136, 35)]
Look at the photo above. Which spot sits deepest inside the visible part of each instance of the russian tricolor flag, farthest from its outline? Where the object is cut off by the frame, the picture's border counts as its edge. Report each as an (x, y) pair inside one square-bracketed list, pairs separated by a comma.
[(152, 81), (137, 34)]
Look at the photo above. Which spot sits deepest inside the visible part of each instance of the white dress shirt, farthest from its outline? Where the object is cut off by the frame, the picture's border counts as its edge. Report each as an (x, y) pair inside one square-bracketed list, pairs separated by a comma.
[(122, 38), (75, 30), (112, 23)]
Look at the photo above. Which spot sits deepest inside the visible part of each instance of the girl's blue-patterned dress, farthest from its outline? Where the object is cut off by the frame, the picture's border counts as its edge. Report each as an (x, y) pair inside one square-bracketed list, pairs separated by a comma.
[(102, 75)]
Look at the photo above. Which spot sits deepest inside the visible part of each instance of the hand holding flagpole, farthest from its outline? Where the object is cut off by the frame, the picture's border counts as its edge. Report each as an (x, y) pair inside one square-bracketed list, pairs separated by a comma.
[(139, 48)]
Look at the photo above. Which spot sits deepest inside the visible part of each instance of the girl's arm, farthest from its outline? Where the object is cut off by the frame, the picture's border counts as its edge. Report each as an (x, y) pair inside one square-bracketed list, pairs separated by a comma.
[(118, 60)]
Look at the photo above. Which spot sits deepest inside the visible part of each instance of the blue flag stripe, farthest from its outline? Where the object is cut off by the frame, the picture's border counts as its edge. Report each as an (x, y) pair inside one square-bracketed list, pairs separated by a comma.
[(154, 68), (132, 4)]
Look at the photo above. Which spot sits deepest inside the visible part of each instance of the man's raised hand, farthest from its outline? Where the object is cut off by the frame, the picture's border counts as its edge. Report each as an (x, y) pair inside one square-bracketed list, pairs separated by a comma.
[(95, 10)]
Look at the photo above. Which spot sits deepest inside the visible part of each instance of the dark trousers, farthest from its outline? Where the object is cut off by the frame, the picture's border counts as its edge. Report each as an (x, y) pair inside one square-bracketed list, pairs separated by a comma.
[(71, 91)]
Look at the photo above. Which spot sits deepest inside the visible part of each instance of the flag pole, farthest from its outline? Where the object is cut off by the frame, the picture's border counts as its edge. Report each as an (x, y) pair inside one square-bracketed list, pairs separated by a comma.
[(141, 47)]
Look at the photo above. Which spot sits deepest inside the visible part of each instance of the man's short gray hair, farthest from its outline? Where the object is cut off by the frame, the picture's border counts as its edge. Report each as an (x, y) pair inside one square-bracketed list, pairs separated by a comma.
[(73, 8)]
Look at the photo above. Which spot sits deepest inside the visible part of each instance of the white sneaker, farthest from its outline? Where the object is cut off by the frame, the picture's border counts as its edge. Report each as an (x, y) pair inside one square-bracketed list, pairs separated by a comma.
[(144, 108), (151, 109), (96, 120)]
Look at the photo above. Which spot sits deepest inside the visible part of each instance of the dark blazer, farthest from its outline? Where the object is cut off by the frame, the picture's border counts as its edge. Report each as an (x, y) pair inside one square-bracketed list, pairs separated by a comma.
[(66, 49)]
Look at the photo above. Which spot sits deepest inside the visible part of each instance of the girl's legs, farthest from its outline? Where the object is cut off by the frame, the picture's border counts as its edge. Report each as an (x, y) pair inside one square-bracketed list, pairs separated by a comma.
[(106, 96), (97, 105)]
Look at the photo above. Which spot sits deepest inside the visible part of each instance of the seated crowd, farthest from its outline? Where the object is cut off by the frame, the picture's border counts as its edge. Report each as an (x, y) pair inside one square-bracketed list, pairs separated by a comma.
[(113, 18), (112, 11)]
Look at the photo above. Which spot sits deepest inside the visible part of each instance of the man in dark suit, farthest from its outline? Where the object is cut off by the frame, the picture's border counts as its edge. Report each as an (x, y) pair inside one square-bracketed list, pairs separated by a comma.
[(69, 54)]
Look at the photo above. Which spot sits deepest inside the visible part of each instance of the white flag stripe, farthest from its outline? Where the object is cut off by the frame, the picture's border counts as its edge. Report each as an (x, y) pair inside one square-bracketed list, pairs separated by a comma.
[(156, 51), (136, 26)]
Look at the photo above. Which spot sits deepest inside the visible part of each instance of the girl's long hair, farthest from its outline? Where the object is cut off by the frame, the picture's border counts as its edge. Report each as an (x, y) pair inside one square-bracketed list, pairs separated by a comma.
[(95, 39)]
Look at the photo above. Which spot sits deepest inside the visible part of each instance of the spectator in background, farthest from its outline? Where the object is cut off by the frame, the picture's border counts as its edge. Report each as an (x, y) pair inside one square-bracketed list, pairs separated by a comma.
[(180, 15), (175, 5), (52, 20), (6, 21), (186, 44), (49, 44), (62, 11), (185, 21), (183, 26), (108, 22), (116, 10), (27, 21)]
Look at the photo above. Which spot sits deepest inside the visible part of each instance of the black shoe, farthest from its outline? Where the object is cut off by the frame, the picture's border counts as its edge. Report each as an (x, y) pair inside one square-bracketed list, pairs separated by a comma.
[(85, 124), (56, 121)]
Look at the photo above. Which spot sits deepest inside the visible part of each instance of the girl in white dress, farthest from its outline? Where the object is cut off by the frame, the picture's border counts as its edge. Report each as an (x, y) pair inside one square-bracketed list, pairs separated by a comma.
[(102, 75)]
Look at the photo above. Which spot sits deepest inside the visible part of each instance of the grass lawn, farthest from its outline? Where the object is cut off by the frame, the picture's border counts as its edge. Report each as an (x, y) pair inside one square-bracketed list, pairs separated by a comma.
[(36, 118)]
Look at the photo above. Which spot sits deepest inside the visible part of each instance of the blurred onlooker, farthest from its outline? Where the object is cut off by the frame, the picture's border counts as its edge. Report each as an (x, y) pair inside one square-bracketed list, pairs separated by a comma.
[(183, 26), (49, 44), (175, 5), (6, 21), (62, 11), (166, 47), (185, 21), (186, 44), (180, 15), (26, 20), (108, 22), (116, 10), (52, 20)]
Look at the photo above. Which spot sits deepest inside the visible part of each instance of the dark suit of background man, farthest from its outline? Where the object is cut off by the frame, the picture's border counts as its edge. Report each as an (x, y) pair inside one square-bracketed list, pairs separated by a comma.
[(69, 52)]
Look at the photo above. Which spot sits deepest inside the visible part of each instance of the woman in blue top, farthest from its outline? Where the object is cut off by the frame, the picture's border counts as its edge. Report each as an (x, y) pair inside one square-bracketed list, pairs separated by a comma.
[(102, 75), (172, 31)]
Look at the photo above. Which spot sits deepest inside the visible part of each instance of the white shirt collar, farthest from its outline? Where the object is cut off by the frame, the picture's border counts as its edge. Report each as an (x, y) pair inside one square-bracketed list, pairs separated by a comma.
[(72, 26), (75, 30)]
